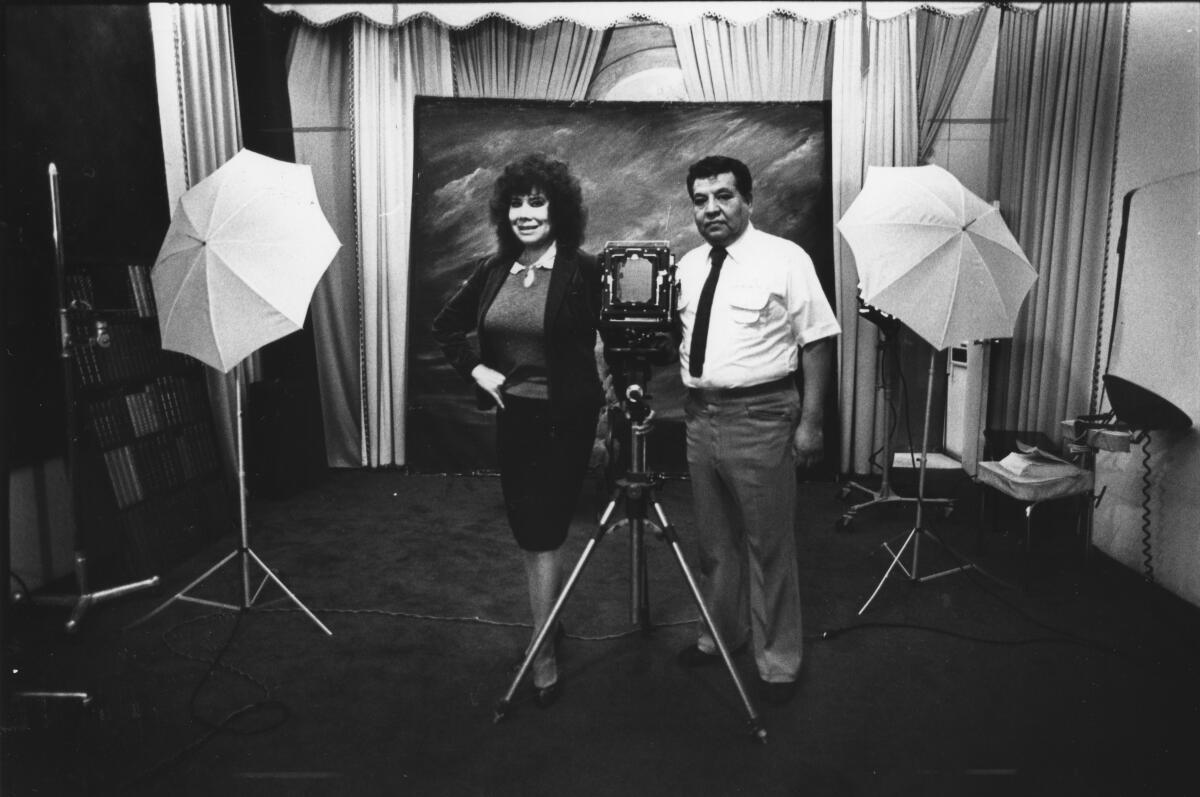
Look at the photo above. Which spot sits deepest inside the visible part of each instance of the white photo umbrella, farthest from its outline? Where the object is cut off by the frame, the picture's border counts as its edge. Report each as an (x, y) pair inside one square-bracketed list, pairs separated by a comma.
[(237, 269), (935, 255), (942, 261), (246, 248)]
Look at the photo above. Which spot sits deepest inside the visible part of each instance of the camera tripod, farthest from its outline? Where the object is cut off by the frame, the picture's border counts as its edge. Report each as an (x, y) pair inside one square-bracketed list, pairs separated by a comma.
[(636, 490)]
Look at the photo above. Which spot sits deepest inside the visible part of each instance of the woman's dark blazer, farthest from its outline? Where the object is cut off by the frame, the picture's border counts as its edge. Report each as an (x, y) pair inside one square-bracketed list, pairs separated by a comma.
[(572, 310)]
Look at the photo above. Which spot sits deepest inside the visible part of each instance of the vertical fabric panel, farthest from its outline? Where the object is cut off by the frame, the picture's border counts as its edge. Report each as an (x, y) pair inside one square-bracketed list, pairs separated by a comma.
[(945, 45), (497, 58), (1057, 87), (778, 58), (318, 92), (209, 133), (874, 124), (389, 68)]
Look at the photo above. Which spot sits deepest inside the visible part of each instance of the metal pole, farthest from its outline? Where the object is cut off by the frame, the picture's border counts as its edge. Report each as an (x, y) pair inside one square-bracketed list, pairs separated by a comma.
[(636, 502), (920, 525), (241, 474)]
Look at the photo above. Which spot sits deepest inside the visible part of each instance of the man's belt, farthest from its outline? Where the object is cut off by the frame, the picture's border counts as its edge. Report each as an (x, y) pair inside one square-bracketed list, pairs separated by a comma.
[(748, 391)]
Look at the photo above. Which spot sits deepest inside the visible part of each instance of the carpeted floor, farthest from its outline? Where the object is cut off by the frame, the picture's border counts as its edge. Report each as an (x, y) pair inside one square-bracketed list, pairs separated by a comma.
[(1033, 675)]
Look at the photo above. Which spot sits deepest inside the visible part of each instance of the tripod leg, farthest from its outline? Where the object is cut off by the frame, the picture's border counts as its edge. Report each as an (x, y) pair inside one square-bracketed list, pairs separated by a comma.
[(639, 583), (895, 561), (505, 704), (183, 593), (271, 575), (756, 728)]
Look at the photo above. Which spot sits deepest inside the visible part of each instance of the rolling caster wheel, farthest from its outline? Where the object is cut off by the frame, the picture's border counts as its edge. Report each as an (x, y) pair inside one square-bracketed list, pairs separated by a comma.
[(843, 524)]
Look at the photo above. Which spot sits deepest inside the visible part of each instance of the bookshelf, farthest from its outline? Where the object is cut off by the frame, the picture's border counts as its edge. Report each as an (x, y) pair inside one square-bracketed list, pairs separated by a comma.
[(149, 487)]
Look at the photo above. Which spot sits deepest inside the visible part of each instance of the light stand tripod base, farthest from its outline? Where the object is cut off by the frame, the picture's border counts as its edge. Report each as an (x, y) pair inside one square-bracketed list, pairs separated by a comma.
[(912, 539), (247, 555), (885, 494), (86, 598), (918, 531), (243, 552), (912, 575)]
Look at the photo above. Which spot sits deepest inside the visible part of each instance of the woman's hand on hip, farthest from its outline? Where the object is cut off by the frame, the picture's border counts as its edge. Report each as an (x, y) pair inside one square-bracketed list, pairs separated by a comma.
[(490, 381)]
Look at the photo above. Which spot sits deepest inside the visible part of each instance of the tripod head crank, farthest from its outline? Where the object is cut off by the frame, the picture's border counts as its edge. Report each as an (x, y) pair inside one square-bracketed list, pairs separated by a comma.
[(641, 417)]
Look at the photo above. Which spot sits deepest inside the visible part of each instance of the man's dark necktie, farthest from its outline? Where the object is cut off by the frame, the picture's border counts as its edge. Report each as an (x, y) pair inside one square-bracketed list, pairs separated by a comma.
[(703, 312)]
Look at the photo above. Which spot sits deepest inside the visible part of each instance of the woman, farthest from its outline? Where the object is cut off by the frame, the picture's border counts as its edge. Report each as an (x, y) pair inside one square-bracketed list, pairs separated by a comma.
[(534, 304)]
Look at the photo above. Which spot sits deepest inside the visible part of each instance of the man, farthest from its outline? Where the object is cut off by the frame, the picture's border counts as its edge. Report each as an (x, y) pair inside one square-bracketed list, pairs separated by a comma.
[(751, 311)]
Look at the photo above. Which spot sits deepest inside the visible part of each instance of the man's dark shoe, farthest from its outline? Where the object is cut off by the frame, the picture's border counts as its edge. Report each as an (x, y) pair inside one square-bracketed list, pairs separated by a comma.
[(778, 692), (692, 656)]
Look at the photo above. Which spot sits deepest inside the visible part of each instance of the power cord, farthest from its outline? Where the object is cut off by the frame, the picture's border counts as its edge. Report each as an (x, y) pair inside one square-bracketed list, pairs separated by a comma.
[(1060, 636), (476, 620), (229, 724)]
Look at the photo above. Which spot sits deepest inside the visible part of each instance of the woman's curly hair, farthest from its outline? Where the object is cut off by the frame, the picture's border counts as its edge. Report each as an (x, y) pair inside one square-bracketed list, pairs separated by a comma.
[(567, 213)]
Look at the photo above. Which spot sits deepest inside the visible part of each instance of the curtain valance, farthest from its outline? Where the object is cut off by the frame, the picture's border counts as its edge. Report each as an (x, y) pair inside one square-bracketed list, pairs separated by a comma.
[(603, 15)]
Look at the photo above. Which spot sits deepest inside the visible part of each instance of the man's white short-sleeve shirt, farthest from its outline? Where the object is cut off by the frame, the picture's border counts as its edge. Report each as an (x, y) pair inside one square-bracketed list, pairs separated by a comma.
[(768, 303)]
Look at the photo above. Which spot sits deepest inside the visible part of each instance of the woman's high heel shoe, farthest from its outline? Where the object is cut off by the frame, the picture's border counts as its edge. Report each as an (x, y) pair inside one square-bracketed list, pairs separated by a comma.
[(555, 641)]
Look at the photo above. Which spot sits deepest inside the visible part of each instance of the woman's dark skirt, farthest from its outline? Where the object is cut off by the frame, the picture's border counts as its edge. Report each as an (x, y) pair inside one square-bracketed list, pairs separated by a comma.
[(543, 463)]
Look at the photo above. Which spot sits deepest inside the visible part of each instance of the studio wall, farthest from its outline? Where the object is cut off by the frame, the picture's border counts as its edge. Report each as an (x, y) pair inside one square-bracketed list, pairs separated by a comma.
[(1159, 139)]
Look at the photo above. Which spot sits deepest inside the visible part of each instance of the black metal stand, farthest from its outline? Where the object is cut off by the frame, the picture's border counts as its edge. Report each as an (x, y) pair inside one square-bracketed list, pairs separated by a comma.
[(886, 348), (637, 492), (86, 598), (918, 530)]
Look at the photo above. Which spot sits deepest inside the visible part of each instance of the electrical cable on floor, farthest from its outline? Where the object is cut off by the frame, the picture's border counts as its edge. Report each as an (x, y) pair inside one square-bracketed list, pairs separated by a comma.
[(476, 620), (834, 633), (964, 562), (1060, 636), (212, 728)]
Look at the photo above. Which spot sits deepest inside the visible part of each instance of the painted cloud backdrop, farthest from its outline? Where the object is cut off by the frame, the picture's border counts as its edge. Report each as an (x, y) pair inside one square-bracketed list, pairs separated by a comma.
[(631, 160)]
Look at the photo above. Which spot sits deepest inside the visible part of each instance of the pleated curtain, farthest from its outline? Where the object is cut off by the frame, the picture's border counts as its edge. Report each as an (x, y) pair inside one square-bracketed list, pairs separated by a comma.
[(778, 58), (1052, 160), (498, 58), (319, 99), (945, 45), (874, 123), (389, 67), (202, 129)]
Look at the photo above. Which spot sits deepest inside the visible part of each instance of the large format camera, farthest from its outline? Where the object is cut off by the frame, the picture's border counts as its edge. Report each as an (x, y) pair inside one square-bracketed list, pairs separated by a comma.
[(638, 294)]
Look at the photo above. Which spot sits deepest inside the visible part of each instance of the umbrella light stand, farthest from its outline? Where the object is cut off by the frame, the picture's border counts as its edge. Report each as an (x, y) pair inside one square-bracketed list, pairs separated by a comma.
[(243, 253), (243, 554), (886, 346), (918, 529)]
